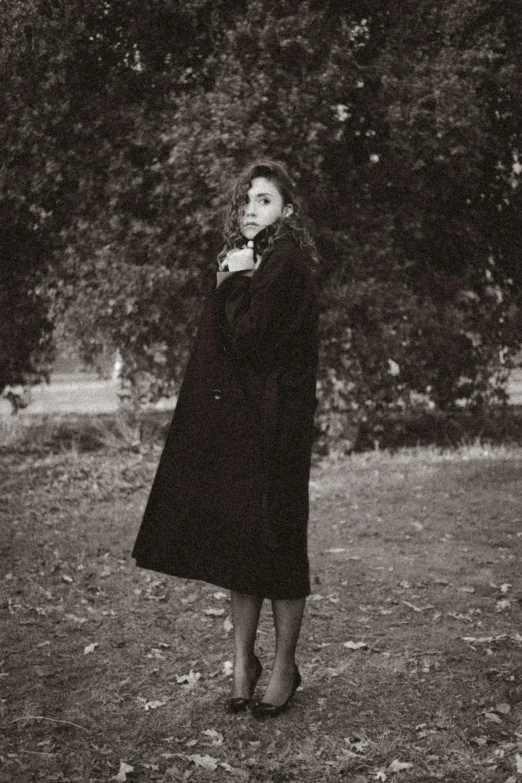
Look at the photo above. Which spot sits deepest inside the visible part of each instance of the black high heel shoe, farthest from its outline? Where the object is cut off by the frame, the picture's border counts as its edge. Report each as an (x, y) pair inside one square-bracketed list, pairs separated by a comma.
[(238, 703), (262, 709)]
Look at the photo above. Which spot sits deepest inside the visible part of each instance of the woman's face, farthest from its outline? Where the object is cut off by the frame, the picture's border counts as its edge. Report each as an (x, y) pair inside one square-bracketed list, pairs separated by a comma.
[(264, 205)]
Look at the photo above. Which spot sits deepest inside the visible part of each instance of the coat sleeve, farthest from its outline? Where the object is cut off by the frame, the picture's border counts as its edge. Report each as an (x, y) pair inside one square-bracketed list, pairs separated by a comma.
[(258, 311)]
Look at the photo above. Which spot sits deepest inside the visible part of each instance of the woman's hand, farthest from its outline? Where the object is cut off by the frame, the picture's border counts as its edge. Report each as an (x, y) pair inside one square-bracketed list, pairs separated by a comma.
[(240, 260)]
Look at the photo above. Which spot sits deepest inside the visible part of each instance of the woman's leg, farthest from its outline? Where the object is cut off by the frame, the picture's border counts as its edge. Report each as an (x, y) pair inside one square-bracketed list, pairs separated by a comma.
[(245, 618), (288, 616)]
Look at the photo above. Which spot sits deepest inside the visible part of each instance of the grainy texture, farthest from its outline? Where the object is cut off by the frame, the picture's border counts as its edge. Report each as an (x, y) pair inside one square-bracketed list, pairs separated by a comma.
[(416, 556)]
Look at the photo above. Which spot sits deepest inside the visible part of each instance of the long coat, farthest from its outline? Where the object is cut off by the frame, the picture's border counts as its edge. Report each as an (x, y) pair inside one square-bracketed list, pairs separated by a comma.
[(229, 501)]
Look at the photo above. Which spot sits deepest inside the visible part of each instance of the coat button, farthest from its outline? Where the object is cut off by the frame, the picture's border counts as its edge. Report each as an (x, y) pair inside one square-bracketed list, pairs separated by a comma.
[(218, 394)]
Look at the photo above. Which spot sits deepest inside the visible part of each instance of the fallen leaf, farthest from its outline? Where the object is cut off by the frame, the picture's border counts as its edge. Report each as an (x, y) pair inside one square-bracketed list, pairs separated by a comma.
[(90, 648), (398, 766), (75, 619), (355, 645), (418, 608), (66, 578), (505, 587), (492, 716), (125, 769), (228, 668), (484, 639), (504, 708), (155, 653), (215, 736), (190, 680), (346, 754), (502, 605), (518, 763), (42, 671), (359, 745), (227, 625), (220, 596), (207, 762), (215, 612), (152, 705)]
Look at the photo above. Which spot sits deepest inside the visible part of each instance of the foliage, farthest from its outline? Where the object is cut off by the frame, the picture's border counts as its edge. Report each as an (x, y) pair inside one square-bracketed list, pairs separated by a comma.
[(25, 330), (445, 166), (402, 120)]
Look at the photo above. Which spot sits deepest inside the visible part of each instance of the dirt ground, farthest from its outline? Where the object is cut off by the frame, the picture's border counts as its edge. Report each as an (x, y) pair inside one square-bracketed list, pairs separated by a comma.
[(411, 651)]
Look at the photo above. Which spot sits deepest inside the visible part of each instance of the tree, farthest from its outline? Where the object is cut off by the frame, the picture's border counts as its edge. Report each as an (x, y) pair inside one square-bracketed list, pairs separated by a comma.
[(77, 81), (445, 169), (401, 117)]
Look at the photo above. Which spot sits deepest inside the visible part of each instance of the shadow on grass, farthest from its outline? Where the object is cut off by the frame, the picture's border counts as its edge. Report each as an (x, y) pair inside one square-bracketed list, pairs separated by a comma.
[(83, 432), (501, 425), (122, 430)]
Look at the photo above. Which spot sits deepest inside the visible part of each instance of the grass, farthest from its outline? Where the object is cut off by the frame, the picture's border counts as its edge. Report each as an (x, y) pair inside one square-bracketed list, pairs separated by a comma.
[(87, 432), (416, 564)]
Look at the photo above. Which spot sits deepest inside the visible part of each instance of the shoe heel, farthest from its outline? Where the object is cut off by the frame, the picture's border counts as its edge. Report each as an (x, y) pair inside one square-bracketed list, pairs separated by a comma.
[(263, 709), (235, 705)]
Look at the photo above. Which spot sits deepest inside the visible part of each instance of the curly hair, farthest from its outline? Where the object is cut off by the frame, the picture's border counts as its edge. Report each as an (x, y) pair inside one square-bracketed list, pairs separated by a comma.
[(292, 225)]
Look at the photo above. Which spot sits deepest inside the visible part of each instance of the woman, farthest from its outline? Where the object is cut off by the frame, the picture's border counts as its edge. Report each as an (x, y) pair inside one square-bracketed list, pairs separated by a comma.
[(229, 502)]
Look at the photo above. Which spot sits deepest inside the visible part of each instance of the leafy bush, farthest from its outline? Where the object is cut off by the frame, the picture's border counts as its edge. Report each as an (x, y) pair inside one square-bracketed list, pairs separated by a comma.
[(402, 119)]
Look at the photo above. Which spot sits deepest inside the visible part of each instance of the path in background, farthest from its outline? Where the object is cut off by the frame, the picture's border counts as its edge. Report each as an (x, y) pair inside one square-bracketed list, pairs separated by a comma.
[(74, 393), (85, 393)]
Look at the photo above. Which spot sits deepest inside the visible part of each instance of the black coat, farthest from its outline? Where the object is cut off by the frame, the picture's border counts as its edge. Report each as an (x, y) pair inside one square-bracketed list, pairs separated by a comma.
[(229, 502)]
